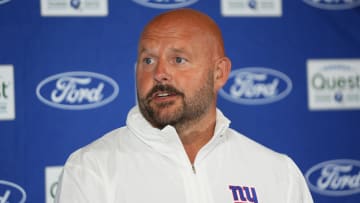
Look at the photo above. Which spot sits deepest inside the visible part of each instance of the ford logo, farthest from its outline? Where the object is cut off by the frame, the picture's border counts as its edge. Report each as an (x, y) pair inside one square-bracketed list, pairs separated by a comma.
[(4, 1), (165, 4), (333, 4), (77, 90), (335, 178), (255, 86), (11, 192)]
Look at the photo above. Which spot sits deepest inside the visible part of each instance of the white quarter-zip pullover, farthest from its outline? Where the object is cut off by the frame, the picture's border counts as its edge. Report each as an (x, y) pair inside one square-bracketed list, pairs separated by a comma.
[(138, 163)]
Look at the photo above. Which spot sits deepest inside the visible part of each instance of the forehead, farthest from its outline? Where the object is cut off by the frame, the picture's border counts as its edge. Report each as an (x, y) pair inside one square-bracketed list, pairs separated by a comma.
[(175, 37)]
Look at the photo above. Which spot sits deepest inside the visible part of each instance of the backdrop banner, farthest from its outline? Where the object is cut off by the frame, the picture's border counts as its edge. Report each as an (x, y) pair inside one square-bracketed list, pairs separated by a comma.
[(67, 78)]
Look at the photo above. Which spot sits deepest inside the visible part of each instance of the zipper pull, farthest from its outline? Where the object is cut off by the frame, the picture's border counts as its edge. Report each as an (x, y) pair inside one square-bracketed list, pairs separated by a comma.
[(193, 168)]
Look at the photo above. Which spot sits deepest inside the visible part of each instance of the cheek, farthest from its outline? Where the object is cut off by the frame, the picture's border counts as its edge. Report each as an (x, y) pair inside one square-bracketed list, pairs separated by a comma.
[(192, 82), (143, 83)]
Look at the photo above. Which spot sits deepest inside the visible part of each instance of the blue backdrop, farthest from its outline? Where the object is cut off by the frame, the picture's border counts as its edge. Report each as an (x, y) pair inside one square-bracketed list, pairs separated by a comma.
[(74, 81)]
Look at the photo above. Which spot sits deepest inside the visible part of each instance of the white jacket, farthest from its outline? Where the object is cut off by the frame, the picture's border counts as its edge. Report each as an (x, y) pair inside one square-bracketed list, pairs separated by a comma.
[(138, 163)]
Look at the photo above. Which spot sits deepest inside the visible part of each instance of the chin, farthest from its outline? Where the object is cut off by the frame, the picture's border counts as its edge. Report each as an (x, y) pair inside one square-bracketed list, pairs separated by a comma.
[(167, 115)]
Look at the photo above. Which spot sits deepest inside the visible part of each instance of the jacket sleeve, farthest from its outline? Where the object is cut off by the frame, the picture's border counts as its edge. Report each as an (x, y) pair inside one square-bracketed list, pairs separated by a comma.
[(80, 184), (298, 191)]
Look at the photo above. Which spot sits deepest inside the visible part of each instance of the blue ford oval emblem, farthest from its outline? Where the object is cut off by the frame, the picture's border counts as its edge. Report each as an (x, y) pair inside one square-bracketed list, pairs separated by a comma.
[(11, 192), (4, 1), (255, 86), (335, 178), (165, 4), (333, 4), (77, 90)]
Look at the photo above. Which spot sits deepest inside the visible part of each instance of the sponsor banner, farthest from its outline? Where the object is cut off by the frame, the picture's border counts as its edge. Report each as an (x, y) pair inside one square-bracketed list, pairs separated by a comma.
[(333, 4), (251, 8), (11, 192), (7, 94), (256, 86), (77, 90), (52, 174), (74, 7), (335, 178), (165, 4), (333, 84)]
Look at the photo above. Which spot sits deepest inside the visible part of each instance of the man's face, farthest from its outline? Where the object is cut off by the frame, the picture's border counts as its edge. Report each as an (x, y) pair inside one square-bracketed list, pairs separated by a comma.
[(175, 82)]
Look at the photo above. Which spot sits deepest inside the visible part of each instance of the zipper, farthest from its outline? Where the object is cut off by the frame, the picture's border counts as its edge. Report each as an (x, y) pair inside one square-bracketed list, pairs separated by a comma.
[(193, 168), (197, 187)]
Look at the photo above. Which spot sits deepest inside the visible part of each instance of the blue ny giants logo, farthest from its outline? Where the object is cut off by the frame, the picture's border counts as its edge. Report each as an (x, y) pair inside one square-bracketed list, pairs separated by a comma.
[(243, 194)]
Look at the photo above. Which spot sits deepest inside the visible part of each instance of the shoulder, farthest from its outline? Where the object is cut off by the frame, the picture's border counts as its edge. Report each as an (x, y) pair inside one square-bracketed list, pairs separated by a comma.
[(237, 139), (110, 144), (259, 159), (255, 153), (265, 168)]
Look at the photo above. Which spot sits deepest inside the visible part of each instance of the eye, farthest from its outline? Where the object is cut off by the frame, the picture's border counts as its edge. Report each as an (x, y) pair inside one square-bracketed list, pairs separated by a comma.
[(180, 60), (148, 61)]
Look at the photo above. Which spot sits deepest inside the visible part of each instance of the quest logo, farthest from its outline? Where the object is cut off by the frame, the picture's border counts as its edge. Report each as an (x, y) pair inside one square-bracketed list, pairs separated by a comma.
[(245, 8), (83, 8), (75, 4), (333, 84), (7, 92), (77, 90), (52, 174), (256, 86), (165, 4), (11, 192), (335, 178), (333, 4)]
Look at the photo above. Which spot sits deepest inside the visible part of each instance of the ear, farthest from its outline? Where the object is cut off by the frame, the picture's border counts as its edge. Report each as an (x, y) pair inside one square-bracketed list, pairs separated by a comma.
[(221, 73)]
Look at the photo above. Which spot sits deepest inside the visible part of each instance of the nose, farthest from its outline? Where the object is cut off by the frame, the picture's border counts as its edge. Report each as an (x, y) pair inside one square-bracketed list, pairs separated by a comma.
[(161, 73)]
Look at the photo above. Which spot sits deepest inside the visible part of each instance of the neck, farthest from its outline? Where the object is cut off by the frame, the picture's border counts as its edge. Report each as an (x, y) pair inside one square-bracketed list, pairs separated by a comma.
[(195, 134)]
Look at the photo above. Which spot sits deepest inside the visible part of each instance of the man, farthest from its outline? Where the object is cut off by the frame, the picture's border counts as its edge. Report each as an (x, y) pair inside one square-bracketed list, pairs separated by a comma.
[(177, 146)]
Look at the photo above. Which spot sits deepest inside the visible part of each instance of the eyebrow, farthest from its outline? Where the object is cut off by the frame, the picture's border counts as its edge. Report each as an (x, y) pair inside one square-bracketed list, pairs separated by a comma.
[(175, 50), (178, 50), (142, 50)]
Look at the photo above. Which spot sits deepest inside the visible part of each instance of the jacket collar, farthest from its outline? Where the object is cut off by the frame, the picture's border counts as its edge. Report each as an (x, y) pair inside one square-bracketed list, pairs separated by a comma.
[(166, 141)]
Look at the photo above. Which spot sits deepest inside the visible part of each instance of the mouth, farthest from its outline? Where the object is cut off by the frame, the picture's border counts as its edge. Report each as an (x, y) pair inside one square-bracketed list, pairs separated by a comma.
[(163, 95)]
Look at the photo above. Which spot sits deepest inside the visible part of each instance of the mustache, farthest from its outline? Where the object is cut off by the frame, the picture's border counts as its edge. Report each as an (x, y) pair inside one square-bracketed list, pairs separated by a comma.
[(164, 88)]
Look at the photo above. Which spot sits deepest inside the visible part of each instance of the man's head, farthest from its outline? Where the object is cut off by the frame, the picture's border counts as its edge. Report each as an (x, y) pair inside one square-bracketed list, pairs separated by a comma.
[(180, 68)]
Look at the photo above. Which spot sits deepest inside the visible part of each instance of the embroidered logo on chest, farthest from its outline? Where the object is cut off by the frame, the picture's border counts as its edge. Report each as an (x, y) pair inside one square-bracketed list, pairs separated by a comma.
[(243, 194)]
